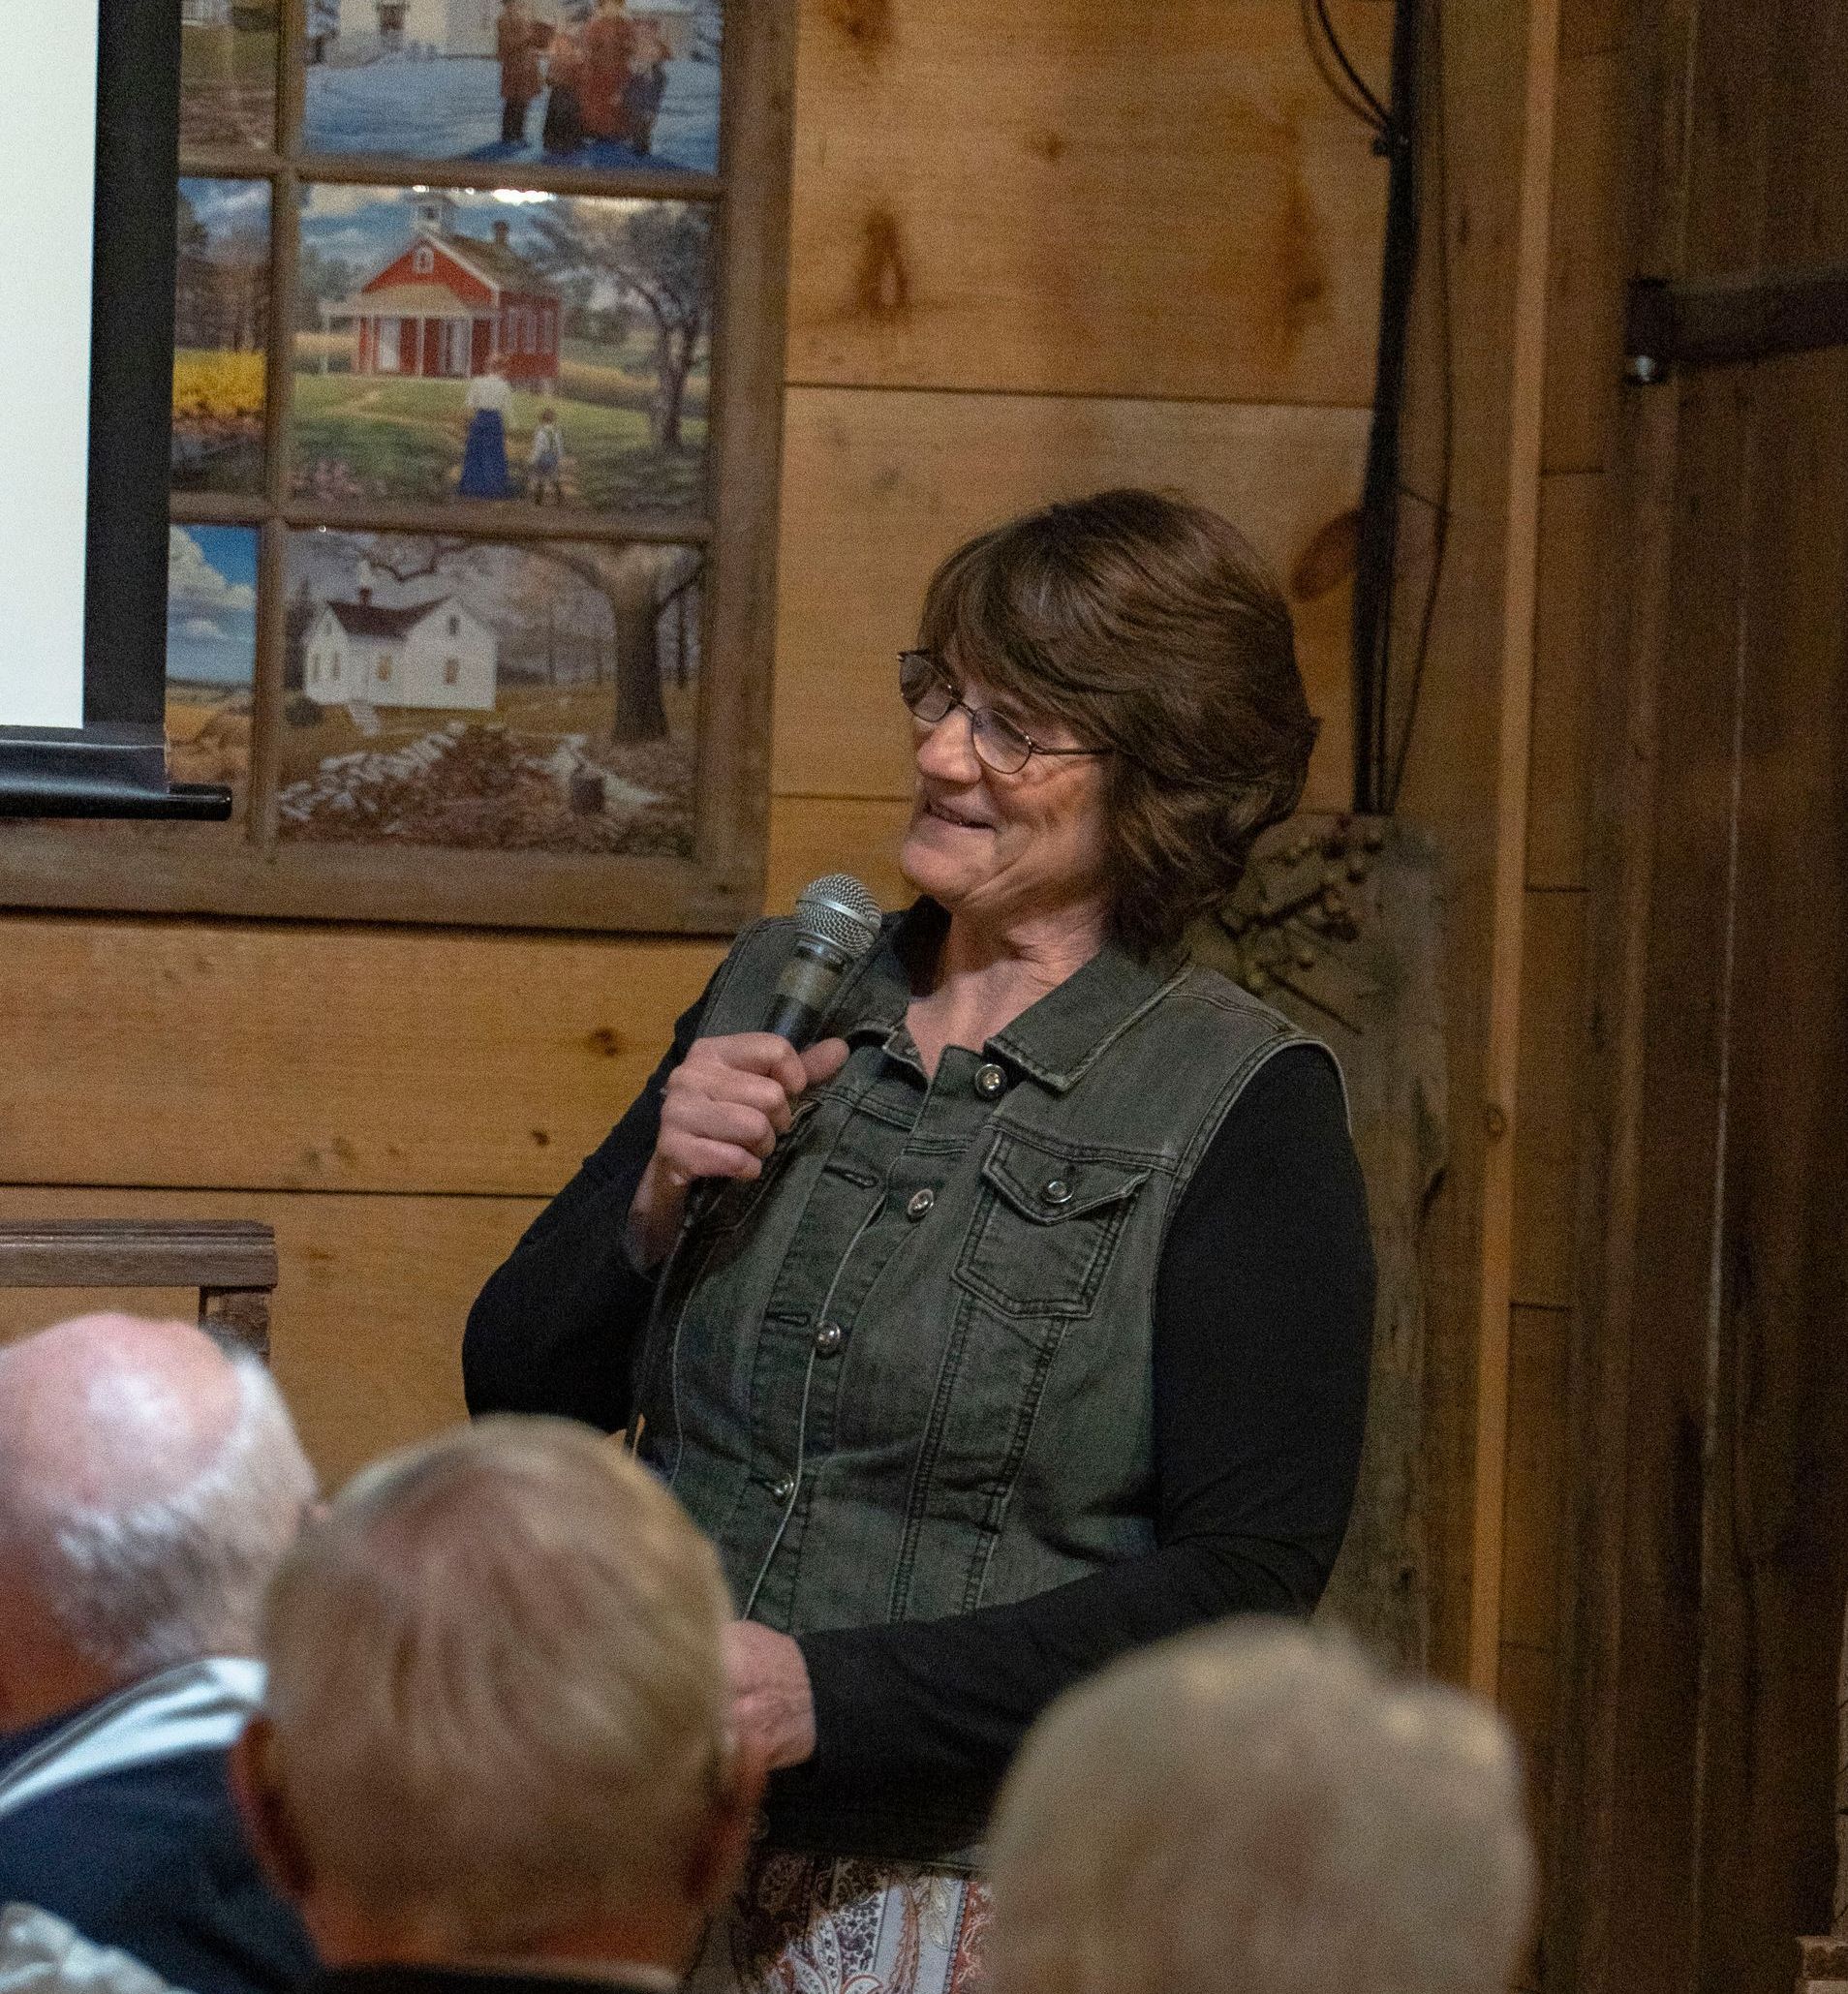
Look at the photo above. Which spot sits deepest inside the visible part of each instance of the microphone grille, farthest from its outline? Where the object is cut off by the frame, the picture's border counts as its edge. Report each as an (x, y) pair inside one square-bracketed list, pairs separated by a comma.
[(840, 910)]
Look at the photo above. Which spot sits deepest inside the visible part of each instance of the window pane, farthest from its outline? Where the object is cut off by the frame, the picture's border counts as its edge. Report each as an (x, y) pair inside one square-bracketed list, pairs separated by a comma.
[(564, 81), (536, 697), (211, 647), (221, 322), (228, 71), (555, 349)]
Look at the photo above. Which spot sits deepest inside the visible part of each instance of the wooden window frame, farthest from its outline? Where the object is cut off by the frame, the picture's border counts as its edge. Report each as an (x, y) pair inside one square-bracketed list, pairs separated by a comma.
[(246, 869)]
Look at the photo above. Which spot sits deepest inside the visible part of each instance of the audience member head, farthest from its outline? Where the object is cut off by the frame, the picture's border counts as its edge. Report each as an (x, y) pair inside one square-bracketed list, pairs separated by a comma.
[(1256, 1809), (496, 1716), (149, 1481)]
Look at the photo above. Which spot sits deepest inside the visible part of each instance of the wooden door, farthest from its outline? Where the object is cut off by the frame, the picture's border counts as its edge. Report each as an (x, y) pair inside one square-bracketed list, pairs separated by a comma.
[(1692, 1833)]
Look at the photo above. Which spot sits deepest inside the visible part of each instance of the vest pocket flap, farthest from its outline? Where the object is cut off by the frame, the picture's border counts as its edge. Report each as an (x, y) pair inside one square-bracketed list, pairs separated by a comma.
[(1049, 1189)]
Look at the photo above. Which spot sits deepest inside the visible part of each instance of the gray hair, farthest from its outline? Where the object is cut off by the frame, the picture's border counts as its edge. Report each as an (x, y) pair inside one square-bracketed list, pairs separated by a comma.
[(138, 1587), (1258, 1807), (496, 1684)]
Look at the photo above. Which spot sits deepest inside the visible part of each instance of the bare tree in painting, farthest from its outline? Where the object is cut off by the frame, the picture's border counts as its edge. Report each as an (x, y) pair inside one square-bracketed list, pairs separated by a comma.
[(658, 255)]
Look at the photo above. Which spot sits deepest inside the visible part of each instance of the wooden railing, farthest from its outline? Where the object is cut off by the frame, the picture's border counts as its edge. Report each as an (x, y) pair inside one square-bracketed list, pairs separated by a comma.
[(230, 1262)]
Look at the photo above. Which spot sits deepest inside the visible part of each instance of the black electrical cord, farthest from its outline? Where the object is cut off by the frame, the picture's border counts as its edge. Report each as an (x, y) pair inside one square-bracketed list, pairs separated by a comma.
[(1381, 118), (1361, 102), (1441, 516), (1376, 558)]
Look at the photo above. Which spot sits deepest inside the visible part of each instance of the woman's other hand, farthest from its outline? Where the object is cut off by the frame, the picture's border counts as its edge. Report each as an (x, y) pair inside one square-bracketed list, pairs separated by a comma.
[(721, 1111), (772, 1706)]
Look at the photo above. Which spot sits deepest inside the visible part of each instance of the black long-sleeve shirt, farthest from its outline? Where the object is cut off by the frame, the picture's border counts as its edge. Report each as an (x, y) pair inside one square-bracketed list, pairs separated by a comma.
[(1262, 1334)]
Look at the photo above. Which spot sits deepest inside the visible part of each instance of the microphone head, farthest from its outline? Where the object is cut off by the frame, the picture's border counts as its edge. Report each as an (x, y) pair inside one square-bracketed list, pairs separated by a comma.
[(837, 911)]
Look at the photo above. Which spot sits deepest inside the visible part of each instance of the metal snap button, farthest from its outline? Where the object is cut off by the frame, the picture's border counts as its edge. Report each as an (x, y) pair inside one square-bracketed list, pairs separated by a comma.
[(1056, 1192), (919, 1203), (780, 1491), (829, 1337), (991, 1082)]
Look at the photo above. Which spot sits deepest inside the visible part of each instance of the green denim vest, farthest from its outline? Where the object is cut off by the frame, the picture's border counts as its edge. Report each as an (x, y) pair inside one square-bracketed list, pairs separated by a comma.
[(906, 1372)]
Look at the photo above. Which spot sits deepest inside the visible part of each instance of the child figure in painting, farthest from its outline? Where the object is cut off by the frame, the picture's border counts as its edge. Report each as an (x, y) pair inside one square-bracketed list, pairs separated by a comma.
[(563, 133), (484, 443), (545, 461), (646, 86)]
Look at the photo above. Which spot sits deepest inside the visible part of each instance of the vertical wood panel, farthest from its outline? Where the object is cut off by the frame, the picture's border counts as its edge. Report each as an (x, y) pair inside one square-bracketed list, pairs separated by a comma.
[(1515, 599), (1554, 1042), (1538, 1353), (1577, 570), (1585, 307), (1776, 1552), (1459, 382)]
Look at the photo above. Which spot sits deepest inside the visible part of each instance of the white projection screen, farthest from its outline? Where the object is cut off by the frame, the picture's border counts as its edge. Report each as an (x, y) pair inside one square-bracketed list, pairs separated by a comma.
[(89, 119)]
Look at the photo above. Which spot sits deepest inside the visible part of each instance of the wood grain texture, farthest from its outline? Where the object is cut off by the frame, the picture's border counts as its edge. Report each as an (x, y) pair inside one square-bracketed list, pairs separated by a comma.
[(1526, 1698), (141, 1253), (1539, 1347), (1585, 301), (1452, 771), (1778, 1522), (878, 488), (1515, 607), (1589, 27), (1577, 567), (1154, 198), (256, 1057), (367, 1326), (1554, 1040)]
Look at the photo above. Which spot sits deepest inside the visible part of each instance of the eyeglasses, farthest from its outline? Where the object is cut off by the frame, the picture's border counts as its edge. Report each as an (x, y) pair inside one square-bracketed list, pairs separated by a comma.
[(931, 695)]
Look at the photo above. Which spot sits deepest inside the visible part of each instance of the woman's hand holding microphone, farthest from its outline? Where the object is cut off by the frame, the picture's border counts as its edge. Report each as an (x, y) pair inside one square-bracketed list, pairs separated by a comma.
[(721, 1111)]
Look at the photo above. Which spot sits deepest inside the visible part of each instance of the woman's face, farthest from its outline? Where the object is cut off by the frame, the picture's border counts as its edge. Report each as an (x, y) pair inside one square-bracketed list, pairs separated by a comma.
[(1005, 849)]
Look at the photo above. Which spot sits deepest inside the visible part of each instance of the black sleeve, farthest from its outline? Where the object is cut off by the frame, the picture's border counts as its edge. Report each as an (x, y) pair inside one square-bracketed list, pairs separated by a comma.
[(556, 1325), (1262, 1340)]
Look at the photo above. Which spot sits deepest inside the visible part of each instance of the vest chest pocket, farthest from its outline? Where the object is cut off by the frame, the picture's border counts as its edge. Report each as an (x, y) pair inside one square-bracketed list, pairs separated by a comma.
[(1045, 1227)]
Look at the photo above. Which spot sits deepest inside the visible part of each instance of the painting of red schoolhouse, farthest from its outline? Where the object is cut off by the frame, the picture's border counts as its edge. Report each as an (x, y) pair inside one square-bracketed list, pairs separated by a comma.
[(449, 304), (510, 346)]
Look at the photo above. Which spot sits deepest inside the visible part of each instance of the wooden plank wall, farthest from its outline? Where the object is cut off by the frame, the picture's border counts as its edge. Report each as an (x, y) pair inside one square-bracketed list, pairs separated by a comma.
[(1499, 771), (1038, 246), (1576, 575)]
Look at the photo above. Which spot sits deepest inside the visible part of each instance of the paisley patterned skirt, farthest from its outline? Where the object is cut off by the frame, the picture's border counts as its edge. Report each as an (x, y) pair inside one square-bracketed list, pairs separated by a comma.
[(820, 1924)]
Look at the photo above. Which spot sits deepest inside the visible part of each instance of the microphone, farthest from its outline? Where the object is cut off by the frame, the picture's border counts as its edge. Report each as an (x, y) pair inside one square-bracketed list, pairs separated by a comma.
[(837, 922)]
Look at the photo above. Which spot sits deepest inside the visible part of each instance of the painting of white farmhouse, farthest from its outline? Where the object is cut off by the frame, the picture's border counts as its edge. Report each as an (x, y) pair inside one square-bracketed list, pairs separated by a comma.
[(436, 654), (464, 693), (502, 346), (613, 84)]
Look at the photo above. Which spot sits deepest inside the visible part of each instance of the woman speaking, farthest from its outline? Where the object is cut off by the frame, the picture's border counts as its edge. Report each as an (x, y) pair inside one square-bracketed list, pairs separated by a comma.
[(1025, 1317)]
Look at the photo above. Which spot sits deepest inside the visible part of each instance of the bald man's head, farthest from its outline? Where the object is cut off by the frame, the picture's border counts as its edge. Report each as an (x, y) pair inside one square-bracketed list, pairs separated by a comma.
[(149, 1483)]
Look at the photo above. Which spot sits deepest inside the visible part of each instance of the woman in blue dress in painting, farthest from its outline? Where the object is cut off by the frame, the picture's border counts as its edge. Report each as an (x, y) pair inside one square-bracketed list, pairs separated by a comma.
[(484, 448)]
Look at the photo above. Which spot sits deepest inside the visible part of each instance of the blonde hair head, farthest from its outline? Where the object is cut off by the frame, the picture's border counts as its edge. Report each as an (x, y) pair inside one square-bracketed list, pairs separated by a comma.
[(496, 1686), (1256, 1809)]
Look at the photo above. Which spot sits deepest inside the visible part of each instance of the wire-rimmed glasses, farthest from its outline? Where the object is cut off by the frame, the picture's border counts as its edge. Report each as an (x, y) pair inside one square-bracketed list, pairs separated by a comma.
[(933, 695)]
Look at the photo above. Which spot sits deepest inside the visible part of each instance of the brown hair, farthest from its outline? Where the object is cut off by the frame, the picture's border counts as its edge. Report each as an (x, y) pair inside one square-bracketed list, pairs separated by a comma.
[(1151, 626)]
